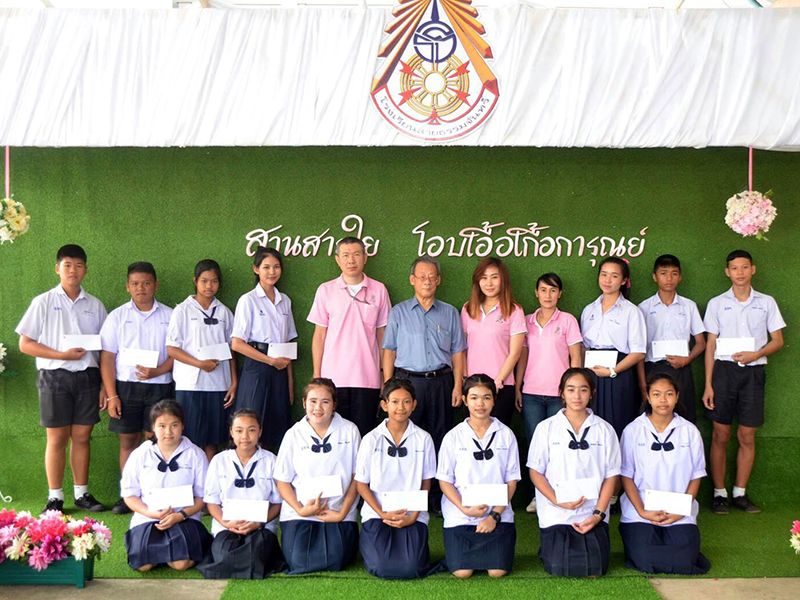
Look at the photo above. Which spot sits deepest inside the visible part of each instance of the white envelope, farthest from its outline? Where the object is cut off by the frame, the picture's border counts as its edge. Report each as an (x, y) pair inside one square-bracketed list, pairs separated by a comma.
[(132, 357), (730, 346), (184, 374), (179, 496), (571, 490), (215, 352), (671, 502), (490, 494), (414, 500), (330, 486), (600, 358), (663, 348), (246, 510), (287, 350), (87, 342)]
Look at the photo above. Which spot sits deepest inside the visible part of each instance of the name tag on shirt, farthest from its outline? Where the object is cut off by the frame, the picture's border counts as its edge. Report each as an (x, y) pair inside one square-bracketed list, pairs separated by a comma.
[(490, 494), (600, 358), (179, 496), (663, 348), (329, 486), (255, 511), (87, 342), (184, 374), (415, 500), (730, 346), (287, 350), (133, 357), (575, 489), (215, 352), (671, 502)]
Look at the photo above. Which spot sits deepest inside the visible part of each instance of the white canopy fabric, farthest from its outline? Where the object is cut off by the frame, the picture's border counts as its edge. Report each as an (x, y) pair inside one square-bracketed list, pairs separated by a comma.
[(303, 76)]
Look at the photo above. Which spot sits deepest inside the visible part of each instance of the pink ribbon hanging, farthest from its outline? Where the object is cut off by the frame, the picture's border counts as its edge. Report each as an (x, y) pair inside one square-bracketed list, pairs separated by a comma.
[(8, 173), (749, 170)]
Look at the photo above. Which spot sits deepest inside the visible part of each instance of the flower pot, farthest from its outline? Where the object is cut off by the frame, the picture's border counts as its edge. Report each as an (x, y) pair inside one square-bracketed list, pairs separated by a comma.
[(62, 572)]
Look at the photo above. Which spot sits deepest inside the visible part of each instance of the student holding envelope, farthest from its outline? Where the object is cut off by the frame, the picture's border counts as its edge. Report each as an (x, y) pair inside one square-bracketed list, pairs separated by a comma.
[(574, 463), (243, 501), (134, 365), (662, 452), (478, 473), (204, 372), (263, 319), (395, 466), (314, 475), (162, 484)]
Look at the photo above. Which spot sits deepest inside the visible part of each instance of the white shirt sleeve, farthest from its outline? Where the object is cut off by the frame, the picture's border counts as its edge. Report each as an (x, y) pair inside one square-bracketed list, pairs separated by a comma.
[(711, 322), (129, 484), (284, 467), (637, 331), (774, 319), (32, 322), (364, 459), (177, 327), (696, 323), (613, 458), (627, 445), (213, 493), (447, 460), (512, 467), (241, 320), (539, 451), (429, 460), (200, 466), (698, 453), (108, 333)]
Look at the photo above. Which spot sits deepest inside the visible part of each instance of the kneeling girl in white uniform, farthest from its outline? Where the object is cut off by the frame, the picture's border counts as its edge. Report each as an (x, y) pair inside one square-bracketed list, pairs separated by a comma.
[(396, 457), (574, 444), (480, 450), (243, 549), (172, 536), (661, 451), (319, 533)]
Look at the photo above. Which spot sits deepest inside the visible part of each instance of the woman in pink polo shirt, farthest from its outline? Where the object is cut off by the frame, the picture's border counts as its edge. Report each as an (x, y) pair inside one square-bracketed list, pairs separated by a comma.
[(553, 345), (494, 326)]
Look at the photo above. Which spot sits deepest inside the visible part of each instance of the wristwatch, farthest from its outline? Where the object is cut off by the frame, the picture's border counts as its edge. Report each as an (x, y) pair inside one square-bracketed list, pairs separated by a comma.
[(183, 512), (597, 511), (495, 515), (612, 372)]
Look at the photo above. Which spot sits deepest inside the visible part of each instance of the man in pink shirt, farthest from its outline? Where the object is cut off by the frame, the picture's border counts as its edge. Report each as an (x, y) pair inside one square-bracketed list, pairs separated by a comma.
[(350, 314)]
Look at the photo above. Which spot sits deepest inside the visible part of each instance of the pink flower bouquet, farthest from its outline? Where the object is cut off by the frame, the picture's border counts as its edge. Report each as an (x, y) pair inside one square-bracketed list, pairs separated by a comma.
[(750, 213), (795, 539)]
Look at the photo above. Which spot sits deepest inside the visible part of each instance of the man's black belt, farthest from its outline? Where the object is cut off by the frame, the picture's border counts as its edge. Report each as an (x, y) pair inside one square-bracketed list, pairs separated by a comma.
[(424, 374), (260, 346)]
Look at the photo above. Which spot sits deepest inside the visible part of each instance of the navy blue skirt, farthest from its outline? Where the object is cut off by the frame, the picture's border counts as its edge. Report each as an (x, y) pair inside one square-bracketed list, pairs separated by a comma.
[(146, 545), (265, 390), (465, 548), (653, 549), (618, 400), (252, 556), (205, 420), (392, 553), (567, 553), (310, 546)]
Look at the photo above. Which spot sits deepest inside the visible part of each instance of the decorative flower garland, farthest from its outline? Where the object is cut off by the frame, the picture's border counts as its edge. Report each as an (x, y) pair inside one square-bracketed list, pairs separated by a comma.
[(795, 539), (14, 219), (750, 213)]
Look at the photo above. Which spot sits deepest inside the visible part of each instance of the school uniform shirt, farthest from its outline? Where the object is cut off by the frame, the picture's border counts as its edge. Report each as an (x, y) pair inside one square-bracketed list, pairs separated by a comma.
[(129, 328), (222, 477), (551, 455), (677, 321), (189, 332), (257, 319), (489, 339), (413, 460), (548, 351), (759, 315), (297, 460), (351, 356), (665, 461), (424, 340), (52, 315), (621, 327), (459, 466), (141, 473)]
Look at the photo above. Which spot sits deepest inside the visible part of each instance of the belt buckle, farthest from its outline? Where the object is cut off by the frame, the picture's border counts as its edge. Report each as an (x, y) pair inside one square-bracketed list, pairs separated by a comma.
[(430, 374)]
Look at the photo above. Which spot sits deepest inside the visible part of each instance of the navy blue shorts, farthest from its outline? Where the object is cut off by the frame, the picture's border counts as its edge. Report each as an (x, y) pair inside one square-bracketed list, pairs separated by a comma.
[(738, 394), (136, 399), (69, 398)]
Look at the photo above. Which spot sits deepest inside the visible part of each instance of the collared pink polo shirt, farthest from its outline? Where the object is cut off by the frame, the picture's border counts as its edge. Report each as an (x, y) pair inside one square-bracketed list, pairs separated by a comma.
[(351, 354), (548, 352), (489, 340)]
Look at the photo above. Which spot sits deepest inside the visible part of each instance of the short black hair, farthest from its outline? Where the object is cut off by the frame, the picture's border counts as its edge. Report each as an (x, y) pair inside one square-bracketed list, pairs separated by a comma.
[(142, 267), (551, 279), (208, 264), (666, 260), (261, 253), (70, 251), (482, 380), (738, 254), (165, 407), (394, 384)]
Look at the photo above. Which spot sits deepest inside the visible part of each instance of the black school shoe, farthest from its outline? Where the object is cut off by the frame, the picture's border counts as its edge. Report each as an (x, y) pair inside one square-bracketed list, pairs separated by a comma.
[(720, 505), (743, 503), (54, 504), (90, 503), (120, 508)]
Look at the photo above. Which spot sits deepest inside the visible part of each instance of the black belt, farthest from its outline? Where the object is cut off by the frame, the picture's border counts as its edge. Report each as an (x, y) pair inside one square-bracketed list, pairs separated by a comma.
[(260, 346), (424, 374)]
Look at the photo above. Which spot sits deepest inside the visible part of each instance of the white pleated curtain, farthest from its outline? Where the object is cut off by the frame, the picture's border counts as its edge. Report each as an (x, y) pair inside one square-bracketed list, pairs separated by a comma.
[(571, 77)]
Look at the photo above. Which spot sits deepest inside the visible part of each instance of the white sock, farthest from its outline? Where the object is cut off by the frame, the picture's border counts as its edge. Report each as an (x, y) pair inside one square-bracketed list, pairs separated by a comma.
[(723, 492), (737, 491), (80, 490), (56, 494)]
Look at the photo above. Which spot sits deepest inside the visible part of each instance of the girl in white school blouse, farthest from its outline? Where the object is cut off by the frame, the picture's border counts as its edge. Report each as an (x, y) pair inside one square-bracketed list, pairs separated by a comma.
[(661, 451), (480, 450), (264, 317), (242, 549), (612, 322), (574, 444), (172, 536), (203, 387), (397, 456), (318, 534)]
